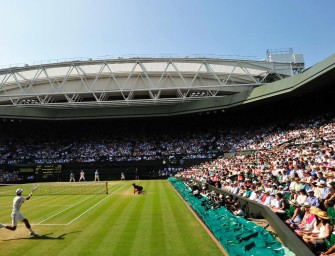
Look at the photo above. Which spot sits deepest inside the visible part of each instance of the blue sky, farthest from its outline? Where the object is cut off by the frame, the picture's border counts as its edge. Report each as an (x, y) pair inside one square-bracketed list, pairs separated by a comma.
[(37, 30)]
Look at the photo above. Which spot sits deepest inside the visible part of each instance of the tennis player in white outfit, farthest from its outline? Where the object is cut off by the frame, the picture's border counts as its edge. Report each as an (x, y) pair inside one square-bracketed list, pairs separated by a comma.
[(17, 215)]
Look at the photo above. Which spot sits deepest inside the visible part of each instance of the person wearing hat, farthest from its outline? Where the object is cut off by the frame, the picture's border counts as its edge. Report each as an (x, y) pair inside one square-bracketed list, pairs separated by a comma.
[(309, 185), (273, 200), (330, 176), (297, 214), (297, 185), (324, 189), (312, 199), (317, 191), (322, 230), (17, 215), (307, 221)]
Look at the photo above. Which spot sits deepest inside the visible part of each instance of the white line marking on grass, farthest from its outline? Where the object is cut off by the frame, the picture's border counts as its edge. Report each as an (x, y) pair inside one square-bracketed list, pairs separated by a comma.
[(54, 205), (21, 224), (40, 223), (94, 205), (48, 224), (65, 209)]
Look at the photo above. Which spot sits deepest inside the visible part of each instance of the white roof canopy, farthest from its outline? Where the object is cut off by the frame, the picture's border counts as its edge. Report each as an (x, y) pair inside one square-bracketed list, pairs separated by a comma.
[(133, 81)]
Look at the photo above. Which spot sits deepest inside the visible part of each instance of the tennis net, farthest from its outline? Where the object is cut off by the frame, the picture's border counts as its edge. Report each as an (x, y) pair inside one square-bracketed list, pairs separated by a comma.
[(59, 188)]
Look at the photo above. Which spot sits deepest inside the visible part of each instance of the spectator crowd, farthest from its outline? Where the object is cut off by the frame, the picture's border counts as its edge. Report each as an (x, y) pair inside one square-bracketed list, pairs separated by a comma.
[(289, 168), (291, 171), (93, 145)]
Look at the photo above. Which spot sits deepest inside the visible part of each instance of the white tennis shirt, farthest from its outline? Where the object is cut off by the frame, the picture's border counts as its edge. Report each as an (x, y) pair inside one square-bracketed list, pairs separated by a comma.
[(17, 202)]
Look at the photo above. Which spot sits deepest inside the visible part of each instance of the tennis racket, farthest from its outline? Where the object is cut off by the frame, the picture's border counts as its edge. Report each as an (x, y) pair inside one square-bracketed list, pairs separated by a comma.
[(34, 187)]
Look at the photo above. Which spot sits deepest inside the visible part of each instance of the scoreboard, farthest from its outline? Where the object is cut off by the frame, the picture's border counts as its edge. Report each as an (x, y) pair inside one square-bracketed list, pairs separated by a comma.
[(47, 171)]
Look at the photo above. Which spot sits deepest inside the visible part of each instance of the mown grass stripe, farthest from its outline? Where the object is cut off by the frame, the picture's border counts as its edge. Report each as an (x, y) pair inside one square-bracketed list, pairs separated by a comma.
[(128, 233), (198, 225), (142, 238), (158, 232), (158, 223), (99, 227), (173, 224)]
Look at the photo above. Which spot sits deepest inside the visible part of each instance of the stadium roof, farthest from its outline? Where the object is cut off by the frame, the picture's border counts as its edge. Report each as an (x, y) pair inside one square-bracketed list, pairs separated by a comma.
[(137, 87), (134, 81)]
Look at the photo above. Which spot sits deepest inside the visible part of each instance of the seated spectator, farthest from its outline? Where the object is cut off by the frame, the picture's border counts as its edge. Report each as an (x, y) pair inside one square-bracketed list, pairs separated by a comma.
[(286, 186), (321, 231), (263, 198), (301, 197), (308, 220), (247, 192), (238, 210), (282, 206), (273, 201), (323, 191), (241, 191), (312, 199), (229, 203), (309, 186), (254, 194), (297, 215), (330, 198)]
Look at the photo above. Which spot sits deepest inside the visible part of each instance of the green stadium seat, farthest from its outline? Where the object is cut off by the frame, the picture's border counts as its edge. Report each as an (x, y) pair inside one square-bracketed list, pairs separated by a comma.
[(331, 215), (290, 211), (287, 195), (330, 241)]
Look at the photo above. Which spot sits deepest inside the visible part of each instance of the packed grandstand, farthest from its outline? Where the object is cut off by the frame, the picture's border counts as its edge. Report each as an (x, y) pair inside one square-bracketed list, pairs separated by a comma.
[(278, 152)]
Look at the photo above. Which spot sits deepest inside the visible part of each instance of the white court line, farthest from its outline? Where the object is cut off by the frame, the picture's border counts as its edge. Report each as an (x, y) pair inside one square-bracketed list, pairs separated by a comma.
[(94, 206), (65, 209), (54, 205), (40, 223)]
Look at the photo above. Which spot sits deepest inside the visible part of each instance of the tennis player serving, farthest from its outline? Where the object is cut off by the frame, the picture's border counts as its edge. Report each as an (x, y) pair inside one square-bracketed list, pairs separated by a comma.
[(17, 215)]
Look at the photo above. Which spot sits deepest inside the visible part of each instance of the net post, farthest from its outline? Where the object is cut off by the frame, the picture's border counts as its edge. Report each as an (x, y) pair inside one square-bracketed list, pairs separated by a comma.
[(106, 187)]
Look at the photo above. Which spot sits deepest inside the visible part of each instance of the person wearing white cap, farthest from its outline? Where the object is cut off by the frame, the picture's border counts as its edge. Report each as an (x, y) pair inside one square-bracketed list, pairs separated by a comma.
[(323, 189), (17, 215), (312, 199)]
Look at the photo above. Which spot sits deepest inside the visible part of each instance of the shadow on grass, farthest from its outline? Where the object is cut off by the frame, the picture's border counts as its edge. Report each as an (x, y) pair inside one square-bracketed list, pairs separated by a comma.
[(43, 237)]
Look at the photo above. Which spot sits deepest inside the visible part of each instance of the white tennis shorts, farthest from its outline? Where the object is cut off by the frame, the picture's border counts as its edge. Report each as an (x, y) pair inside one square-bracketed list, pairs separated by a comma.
[(16, 217)]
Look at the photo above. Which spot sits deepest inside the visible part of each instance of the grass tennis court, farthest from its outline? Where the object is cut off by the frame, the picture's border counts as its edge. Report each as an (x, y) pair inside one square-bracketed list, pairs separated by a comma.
[(117, 223)]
